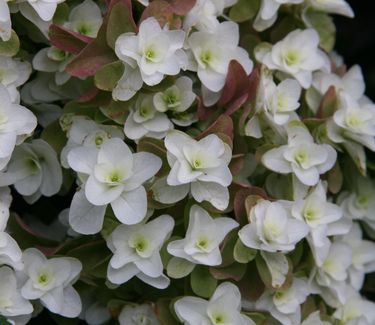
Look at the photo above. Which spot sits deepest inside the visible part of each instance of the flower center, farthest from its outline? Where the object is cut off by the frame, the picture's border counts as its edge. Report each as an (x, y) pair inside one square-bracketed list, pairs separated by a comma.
[(141, 320), (145, 111), (218, 318), (301, 157), (197, 163), (291, 57), (140, 245), (353, 120), (98, 140), (202, 243), (206, 57), (362, 201), (150, 54), (310, 214)]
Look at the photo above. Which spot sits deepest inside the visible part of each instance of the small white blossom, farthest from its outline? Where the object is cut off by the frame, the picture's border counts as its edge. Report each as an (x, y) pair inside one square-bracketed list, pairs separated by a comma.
[(34, 170), (296, 55), (138, 315), (353, 121), (340, 7), (52, 59), (85, 18), (267, 14), (136, 252), (144, 120), (332, 275), (285, 305), (200, 166), (15, 121), (360, 204), (203, 237), (203, 16), (213, 52), (317, 213), (224, 307), (156, 51), (301, 156), (112, 175), (177, 98), (13, 73), (363, 259), (281, 100), (50, 280), (356, 311), (87, 133), (272, 228), (351, 83), (11, 301)]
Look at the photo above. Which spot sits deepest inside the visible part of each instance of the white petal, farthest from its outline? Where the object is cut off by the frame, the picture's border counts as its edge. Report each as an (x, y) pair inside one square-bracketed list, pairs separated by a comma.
[(84, 217), (131, 207), (214, 193)]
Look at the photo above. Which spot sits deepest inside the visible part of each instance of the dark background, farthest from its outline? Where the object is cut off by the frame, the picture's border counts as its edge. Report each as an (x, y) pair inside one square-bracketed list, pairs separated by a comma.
[(356, 40)]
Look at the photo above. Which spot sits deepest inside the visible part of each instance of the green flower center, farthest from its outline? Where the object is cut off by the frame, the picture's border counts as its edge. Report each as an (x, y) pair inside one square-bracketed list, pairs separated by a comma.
[(202, 243), (291, 58)]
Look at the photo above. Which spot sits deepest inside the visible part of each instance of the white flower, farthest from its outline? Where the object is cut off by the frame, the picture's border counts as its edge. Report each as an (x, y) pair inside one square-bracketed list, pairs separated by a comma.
[(136, 252), (332, 275), (285, 305), (13, 73), (356, 311), (353, 121), (271, 227), (224, 307), (144, 120), (50, 280), (115, 176), (85, 18), (213, 52), (15, 121), (156, 51), (301, 156), (177, 98), (138, 315), (351, 83), (203, 237), (297, 55), (87, 133), (201, 166), (340, 7), (360, 204), (5, 21), (282, 99), (267, 14), (52, 59), (317, 213), (203, 16), (11, 301), (34, 170), (10, 253), (363, 259)]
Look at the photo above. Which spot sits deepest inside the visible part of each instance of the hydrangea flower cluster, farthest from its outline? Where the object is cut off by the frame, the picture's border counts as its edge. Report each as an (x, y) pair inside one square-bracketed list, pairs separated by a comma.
[(178, 162)]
